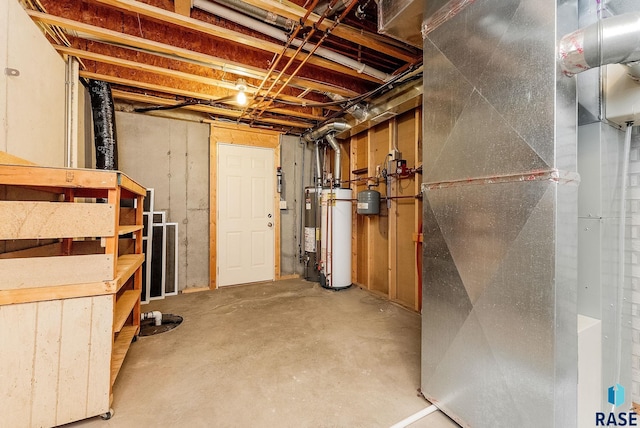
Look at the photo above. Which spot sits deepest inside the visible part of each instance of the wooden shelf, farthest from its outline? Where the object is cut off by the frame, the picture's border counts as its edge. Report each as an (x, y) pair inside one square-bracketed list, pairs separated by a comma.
[(120, 348), (60, 247), (127, 265), (125, 230), (124, 306)]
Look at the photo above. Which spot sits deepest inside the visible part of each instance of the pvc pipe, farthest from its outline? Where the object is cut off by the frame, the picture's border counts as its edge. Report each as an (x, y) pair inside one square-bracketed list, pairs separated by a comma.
[(615, 40), (157, 315), (71, 113), (621, 248), (267, 29), (415, 417)]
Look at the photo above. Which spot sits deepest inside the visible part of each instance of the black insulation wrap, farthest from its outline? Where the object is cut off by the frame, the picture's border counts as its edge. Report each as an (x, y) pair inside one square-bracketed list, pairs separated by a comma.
[(104, 125)]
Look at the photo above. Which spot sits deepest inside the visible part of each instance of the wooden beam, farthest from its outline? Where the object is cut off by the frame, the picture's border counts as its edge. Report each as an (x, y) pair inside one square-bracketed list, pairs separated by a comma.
[(393, 219), (184, 93), (186, 22), (183, 7), (35, 272), (54, 178), (162, 49), (233, 114), (8, 158), (369, 40), (51, 220)]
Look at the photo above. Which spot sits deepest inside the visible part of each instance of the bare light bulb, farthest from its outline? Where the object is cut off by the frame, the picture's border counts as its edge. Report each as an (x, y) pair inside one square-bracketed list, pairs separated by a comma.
[(241, 98)]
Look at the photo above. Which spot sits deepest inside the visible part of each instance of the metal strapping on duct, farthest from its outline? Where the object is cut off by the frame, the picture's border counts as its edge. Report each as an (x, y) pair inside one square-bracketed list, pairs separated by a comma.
[(436, 17), (615, 40), (104, 125)]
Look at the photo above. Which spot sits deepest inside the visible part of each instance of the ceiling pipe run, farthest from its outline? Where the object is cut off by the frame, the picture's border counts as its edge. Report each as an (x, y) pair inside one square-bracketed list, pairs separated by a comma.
[(615, 40), (258, 13), (239, 18)]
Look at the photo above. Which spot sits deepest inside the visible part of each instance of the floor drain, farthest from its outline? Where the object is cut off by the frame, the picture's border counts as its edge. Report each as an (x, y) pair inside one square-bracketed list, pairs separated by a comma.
[(148, 327)]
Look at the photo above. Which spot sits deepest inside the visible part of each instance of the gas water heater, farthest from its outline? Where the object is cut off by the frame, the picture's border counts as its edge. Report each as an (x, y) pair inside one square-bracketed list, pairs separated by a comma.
[(335, 237), (311, 234)]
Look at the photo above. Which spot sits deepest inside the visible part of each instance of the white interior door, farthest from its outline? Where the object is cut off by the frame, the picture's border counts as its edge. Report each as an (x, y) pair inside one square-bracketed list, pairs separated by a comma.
[(245, 218)]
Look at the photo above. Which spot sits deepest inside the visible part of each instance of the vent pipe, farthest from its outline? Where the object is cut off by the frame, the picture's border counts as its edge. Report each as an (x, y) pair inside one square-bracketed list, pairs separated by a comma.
[(328, 131), (615, 40), (104, 125), (331, 139)]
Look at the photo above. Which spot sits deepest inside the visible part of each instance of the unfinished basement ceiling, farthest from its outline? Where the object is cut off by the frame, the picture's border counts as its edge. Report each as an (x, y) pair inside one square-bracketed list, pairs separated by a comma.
[(164, 53)]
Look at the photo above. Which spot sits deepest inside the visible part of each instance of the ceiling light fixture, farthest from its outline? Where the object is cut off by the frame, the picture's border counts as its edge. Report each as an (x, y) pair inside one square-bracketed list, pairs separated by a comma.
[(241, 86)]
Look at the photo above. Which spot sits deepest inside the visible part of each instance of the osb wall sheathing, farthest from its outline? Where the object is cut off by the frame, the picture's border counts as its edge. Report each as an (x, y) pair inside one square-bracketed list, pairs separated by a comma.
[(385, 252)]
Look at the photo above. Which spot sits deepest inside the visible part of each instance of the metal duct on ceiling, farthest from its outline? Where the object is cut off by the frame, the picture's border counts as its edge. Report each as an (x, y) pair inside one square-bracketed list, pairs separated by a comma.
[(499, 332)]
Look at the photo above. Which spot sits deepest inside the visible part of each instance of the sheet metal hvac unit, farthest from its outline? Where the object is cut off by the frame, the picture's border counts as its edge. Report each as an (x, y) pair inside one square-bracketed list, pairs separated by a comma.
[(500, 192), (311, 235), (335, 237)]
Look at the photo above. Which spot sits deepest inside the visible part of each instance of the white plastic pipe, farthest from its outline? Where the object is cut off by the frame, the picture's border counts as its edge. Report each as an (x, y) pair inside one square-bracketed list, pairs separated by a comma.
[(267, 29), (157, 315), (415, 417)]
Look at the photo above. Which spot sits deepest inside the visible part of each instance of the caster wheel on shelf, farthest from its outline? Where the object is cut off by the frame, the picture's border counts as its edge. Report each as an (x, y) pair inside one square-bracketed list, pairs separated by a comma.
[(107, 416), (135, 339)]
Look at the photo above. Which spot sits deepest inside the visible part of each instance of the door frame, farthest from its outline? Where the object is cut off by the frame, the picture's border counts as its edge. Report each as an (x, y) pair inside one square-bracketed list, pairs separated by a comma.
[(244, 136)]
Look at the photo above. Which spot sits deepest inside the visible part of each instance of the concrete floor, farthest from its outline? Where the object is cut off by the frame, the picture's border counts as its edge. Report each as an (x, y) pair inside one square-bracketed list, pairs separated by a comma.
[(284, 354)]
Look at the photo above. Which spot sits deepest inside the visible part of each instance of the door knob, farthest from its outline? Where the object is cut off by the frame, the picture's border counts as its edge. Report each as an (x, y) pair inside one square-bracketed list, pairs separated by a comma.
[(269, 224)]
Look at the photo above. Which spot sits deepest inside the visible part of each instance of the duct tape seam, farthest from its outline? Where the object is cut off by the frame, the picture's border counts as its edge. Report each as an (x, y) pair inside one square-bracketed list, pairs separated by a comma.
[(561, 177)]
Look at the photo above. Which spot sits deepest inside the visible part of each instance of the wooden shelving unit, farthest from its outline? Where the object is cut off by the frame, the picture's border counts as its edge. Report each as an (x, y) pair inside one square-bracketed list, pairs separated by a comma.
[(70, 281)]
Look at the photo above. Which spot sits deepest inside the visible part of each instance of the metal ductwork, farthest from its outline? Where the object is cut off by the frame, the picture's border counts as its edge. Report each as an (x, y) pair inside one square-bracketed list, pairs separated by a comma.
[(359, 111), (104, 125), (331, 139), (615, 40), (328, 131), (319, 133)]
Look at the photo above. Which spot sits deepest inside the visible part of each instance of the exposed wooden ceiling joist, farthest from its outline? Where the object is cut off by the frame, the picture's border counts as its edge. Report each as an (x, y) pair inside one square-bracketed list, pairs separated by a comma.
[(153, 47), (231, 114), (183, 93), (217, 31), (158, 70), (293, 11), (183, 7)]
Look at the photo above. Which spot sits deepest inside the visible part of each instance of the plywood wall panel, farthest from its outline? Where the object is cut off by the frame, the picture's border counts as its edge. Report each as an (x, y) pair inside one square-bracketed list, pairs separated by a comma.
[(74, 365), (379, 225), (99, 358), (46, 362), (17, 339)]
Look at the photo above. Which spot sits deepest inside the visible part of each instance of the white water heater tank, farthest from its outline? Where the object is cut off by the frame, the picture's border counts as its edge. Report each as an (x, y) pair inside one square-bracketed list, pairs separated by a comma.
[(335, 236)]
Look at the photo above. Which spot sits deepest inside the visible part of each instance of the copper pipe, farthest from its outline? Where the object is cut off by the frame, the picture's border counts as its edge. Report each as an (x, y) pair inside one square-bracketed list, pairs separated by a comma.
[(284, 69), (279, 56), (326, 34)]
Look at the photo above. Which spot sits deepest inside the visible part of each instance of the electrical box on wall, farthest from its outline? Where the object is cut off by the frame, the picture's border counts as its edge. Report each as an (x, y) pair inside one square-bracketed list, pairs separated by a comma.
[(621, 96)]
